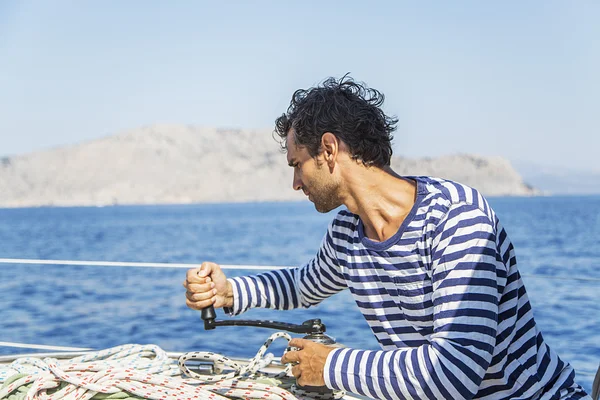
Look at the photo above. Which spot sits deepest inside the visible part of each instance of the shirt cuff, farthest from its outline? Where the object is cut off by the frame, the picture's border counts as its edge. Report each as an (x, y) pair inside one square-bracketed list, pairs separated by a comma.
[(236, 286), (333, 368)]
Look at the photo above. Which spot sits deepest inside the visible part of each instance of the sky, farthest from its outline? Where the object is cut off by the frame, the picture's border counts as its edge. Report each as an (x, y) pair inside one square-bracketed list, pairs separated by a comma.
[(514, 79)]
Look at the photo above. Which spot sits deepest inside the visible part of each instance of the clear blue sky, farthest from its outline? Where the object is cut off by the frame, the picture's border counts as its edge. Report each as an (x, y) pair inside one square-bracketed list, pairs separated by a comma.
[(510, 78)]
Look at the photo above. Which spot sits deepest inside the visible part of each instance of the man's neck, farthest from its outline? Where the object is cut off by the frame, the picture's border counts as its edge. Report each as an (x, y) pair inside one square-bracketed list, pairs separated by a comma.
[(381, 198)]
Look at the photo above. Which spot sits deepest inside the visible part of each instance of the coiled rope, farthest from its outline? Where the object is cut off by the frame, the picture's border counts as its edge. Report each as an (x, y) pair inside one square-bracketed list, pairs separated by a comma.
[(146, 372)]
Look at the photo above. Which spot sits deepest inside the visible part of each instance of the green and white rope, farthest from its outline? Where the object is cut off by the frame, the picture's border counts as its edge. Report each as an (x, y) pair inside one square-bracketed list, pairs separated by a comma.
[(146, 372), (143, 371)]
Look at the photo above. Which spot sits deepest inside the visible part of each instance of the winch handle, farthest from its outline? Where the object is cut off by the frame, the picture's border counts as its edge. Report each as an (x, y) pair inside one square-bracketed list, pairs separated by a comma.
[(208, 315), (312, 326)]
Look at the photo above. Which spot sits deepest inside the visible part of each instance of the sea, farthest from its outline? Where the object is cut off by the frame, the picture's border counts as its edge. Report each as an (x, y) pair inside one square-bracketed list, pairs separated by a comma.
[(557, 242)]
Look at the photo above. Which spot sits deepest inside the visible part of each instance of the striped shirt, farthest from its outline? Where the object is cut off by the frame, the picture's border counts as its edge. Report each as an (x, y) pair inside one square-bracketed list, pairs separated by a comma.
[(443, 297)]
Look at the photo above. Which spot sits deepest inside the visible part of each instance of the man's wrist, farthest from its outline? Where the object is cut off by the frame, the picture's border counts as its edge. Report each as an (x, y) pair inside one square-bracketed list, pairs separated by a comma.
[(229, 299)]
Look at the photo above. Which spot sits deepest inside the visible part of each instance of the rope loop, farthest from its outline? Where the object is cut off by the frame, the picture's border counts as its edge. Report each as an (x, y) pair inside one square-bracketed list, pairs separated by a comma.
[(221, 362)]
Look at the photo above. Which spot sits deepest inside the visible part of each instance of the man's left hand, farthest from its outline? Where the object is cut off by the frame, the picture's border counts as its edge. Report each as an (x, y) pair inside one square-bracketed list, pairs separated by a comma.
[(310, 361)]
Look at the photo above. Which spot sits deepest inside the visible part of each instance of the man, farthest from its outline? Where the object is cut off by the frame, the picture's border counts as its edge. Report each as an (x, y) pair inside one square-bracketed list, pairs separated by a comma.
[(426, 259)]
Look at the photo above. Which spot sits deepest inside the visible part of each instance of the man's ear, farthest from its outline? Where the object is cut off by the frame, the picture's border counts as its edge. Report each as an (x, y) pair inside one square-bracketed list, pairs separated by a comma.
[(330, 146)]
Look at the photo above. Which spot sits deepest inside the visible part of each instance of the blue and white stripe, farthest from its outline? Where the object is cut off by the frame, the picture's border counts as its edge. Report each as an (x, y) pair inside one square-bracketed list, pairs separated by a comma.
[(443, 297)]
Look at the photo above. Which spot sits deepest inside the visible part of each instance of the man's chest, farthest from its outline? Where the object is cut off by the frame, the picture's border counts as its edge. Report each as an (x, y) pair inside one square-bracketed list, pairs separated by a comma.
[(391, 284)]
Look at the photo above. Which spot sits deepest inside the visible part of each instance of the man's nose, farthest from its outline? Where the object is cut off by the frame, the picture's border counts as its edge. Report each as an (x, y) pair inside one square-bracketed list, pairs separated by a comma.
[(297, 183)]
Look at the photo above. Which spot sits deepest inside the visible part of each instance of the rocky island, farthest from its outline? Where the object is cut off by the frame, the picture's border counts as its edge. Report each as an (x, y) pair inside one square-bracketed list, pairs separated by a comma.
[(180, 164)]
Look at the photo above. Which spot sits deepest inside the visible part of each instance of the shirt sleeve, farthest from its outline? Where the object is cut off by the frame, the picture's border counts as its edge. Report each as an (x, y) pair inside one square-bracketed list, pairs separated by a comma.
[(290, 288), (466, 268)]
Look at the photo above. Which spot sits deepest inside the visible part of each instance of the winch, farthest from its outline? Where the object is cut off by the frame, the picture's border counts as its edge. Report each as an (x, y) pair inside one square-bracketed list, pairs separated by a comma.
[(313, 329)]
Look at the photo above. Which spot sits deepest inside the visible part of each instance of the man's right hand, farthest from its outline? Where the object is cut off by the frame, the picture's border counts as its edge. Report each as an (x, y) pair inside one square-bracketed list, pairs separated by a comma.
[(206, 286)]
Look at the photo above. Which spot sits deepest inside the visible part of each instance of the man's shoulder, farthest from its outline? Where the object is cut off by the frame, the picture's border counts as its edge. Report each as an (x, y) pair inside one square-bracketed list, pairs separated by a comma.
[(439, 196), (432, 193), (446, 192)]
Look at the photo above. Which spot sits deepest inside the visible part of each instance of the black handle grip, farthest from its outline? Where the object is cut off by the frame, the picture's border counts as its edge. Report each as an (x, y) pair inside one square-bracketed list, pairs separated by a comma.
[(209, 315), (312, 326)]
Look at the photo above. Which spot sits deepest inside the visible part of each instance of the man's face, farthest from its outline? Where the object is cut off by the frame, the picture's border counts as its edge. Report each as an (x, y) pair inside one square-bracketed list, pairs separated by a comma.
[(312, 176)]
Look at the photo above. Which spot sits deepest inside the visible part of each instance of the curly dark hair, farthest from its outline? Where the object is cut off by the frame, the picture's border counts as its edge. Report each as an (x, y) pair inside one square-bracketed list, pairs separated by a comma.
[(348, 109)]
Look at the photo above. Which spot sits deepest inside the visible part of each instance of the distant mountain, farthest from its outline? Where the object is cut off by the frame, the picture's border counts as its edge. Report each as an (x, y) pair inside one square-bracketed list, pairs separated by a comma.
[(558, 180), (492, 176), (164, 164)]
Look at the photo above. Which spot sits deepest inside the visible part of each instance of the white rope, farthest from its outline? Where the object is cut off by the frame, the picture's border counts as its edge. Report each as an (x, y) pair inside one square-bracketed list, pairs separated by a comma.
[(223, 266), (129, 264), (220, 362)]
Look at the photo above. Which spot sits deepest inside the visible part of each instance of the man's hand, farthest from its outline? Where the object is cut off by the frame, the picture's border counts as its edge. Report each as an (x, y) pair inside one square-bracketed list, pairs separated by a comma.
[(206, 286), (310, 361)]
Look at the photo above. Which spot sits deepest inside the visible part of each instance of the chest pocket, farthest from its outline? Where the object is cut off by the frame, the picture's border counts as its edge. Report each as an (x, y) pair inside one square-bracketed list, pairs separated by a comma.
[(413, 292)]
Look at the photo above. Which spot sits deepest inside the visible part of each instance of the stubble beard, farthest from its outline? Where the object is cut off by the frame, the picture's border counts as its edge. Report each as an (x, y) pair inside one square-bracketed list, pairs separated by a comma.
[(324, 197)]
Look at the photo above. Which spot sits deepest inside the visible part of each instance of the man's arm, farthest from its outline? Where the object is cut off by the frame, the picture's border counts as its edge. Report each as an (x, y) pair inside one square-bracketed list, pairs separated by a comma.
[(466, 272), (291, 288)]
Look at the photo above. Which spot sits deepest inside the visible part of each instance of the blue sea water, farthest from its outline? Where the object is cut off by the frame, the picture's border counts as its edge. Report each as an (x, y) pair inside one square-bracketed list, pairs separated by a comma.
[(557, 241)]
